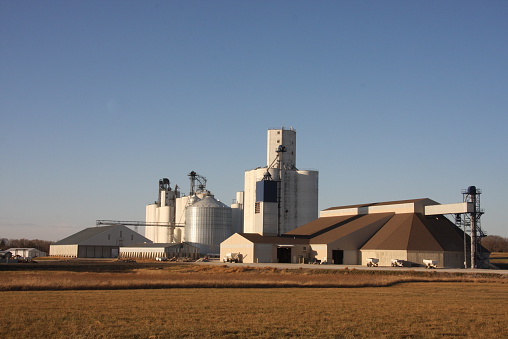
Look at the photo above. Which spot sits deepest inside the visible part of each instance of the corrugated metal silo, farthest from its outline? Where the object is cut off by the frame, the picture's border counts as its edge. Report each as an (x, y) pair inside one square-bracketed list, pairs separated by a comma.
[(208, 223)]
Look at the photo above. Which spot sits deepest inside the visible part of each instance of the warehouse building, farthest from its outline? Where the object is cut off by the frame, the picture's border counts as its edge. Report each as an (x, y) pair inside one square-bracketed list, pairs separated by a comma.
[(408, 230), (96, 242), (256, 248), (152, 251), (27, 252)]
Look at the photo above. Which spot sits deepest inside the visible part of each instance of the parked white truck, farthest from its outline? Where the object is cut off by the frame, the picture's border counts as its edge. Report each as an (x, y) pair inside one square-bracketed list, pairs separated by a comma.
[(372, 262), (233, 257), (430, 263), (397, 263)]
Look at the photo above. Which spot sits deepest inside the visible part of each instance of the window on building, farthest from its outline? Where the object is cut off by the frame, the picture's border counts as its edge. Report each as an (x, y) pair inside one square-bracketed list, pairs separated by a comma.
[(257, 208), (109, 236), (121, 234)]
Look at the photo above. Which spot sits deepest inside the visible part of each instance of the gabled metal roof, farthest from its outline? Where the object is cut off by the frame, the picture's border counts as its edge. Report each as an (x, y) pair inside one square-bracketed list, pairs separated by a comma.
[(84, 235), (367, 225), (317, 226), (415, 232), (380, 231)]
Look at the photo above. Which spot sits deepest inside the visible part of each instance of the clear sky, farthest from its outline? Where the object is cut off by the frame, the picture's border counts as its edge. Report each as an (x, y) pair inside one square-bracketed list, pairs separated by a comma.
[(391, 100)]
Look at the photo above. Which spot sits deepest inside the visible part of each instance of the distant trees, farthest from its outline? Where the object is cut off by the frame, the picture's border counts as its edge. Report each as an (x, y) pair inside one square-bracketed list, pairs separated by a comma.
[(41, 245), (495, 243)]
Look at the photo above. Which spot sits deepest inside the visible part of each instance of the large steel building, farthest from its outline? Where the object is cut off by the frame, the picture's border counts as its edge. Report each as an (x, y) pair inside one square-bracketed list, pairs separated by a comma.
[(153, 251), (409, 230), (279, 197), (96, 242)]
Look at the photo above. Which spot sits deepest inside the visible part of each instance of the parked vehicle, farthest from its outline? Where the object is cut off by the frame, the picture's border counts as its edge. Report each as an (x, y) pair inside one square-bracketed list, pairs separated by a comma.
[(233, 257), (372, 262), (397, 263), (430, 263)]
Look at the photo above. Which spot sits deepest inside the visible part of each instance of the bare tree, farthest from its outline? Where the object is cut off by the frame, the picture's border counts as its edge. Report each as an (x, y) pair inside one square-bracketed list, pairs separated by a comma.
[(495, 243), (41, 245)]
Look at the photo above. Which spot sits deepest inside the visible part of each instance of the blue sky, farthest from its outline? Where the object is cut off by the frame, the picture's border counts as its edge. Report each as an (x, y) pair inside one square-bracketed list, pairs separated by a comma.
[(391, 100)]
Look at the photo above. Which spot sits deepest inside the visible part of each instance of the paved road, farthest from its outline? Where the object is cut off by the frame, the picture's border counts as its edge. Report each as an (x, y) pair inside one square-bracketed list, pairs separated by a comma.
[(359, 267)]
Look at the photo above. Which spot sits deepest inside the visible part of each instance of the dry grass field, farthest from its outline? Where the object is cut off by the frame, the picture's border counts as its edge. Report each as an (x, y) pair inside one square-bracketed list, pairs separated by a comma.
[(500, 260), (416, 310), (151, 301), (76, 275)]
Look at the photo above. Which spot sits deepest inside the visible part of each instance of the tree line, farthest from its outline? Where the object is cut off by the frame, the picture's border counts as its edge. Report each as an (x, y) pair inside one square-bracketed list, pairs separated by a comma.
[(41, 245), (495, 243)]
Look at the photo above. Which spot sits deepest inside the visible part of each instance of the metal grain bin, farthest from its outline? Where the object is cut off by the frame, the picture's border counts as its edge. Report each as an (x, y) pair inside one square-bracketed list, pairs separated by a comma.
[(208, 223)]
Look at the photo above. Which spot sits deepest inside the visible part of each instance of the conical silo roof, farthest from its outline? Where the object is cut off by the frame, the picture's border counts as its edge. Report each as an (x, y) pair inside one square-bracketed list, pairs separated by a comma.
[(209, 201)]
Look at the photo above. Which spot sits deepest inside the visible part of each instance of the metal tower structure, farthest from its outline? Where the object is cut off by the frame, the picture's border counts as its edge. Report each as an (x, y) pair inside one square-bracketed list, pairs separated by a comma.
[(281, 149), (268, 177), (163, 186), (470, 222), (194, 177)]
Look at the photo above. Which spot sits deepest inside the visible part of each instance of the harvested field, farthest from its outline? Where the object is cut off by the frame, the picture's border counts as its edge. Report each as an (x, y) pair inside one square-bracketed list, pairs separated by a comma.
[(416, 310), (500, 260), (93, 299), (117, 275)]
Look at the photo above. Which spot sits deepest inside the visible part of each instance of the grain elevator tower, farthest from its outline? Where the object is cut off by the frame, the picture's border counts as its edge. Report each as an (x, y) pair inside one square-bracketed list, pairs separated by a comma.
[(160, 216), (278, 197)]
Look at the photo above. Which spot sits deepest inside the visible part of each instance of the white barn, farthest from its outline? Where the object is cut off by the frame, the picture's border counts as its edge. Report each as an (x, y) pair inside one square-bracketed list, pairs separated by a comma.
[(27, 252)]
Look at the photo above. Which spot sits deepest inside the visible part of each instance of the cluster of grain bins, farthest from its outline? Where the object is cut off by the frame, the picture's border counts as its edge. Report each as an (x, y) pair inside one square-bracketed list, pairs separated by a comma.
[(198, 219)]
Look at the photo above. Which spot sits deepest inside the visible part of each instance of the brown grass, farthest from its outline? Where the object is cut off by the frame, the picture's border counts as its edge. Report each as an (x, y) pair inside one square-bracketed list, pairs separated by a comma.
[(212, 276), (115, 300), (499, 257), (417, 310)]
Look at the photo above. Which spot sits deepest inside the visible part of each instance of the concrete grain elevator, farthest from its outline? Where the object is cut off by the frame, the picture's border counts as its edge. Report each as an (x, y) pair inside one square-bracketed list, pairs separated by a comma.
[(279, 197)]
